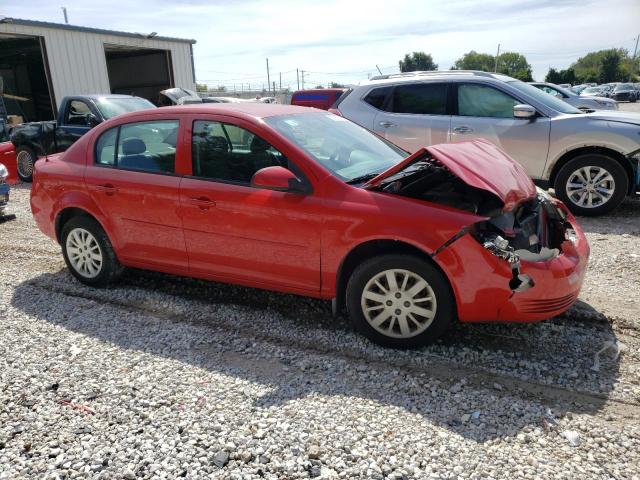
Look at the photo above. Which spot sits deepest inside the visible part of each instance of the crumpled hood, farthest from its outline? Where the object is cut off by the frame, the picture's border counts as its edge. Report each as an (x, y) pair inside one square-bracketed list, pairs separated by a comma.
[(479, 164)]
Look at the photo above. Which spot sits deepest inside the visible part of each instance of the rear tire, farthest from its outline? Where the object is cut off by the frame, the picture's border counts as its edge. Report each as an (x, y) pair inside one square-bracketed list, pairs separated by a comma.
[(400, 301), (25, 160), (88, 252), (591, 184)]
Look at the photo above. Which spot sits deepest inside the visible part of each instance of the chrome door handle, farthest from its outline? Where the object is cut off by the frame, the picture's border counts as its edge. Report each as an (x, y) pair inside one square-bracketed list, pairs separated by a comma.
[(463, 129), (387, 124)]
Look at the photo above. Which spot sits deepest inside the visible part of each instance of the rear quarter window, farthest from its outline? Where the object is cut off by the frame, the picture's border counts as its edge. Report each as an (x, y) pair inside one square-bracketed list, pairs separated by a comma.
[(376, 97)]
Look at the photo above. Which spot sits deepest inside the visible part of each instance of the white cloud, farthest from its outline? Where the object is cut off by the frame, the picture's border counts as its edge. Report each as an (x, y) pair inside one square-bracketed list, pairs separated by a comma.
[(235, 37)]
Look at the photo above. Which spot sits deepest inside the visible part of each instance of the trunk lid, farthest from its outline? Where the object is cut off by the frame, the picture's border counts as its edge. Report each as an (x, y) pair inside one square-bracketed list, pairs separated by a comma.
[(477, 163)]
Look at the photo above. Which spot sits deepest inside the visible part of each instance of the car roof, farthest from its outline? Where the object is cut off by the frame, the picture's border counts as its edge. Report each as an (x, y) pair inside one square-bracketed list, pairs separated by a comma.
[(436, 75), (96, 96), (255, 110)]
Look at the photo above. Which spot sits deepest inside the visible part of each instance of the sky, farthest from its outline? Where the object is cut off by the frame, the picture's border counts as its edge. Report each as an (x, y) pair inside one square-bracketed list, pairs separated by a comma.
[(343, 41)]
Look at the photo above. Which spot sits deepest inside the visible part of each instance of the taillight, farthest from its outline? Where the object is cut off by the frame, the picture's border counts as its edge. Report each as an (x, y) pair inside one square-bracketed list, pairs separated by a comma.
[(335, 111)]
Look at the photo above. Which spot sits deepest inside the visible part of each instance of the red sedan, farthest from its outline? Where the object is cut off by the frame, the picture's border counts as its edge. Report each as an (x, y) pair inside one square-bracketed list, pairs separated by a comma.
[(303, 201)]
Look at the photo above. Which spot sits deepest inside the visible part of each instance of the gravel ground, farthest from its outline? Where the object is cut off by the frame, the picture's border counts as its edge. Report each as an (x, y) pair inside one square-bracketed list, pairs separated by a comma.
[(166, 377)]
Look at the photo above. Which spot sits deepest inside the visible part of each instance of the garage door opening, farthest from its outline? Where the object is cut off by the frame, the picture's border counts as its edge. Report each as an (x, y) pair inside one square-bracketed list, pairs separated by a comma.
[(138, 71), (26, 89)]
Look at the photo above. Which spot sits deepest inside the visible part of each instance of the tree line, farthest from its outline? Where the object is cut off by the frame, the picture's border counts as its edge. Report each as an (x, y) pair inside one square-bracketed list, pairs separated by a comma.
[(604, 66)]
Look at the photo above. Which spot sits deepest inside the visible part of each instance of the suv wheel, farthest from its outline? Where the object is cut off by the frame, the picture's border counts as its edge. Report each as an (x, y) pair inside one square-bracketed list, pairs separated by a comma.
[(25, 159), (88, 252), (591, 184), (399, 301)]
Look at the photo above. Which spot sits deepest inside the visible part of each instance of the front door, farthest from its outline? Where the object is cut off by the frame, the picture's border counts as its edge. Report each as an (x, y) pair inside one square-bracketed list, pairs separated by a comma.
[(75, 123), (486, 112), (243, 234), (132, 180), (415, 116)]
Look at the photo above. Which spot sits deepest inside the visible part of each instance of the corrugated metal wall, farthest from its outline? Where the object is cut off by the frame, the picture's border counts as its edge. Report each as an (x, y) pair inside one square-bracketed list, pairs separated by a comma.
[(77, 60)]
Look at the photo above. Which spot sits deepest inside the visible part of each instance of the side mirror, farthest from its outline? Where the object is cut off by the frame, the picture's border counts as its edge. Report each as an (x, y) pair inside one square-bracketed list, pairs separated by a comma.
[(278, 178), (524, 111), (92, 120)]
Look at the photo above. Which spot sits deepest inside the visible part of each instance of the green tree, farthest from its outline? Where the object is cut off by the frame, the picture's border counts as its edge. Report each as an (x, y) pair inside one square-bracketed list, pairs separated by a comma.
[(612, 65), (553, 76), (417, 61), (336, 85), (515, 65), (475, 61)]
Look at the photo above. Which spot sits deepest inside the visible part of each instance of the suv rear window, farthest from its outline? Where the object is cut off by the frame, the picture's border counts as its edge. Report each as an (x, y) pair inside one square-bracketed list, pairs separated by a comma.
[(377, 96), (420, 98)]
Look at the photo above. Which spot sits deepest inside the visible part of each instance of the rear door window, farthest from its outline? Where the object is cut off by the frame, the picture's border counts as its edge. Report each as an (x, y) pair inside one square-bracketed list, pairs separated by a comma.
[(420, 98), (143, 146)]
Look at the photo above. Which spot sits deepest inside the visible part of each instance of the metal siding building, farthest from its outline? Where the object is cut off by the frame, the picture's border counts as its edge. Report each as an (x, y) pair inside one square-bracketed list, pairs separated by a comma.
[(79, 60)]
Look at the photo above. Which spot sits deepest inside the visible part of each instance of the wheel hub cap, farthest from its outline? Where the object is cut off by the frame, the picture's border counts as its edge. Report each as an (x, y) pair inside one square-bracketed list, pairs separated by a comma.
[(398, 303), (590, 187), (84, 253), (24, 163)]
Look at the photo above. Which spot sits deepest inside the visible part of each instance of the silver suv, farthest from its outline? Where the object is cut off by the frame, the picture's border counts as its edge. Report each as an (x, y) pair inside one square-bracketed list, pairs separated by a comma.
[(590, 159)]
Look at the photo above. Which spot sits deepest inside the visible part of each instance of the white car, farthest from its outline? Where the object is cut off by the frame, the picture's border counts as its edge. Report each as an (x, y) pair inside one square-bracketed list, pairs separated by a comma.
[(586, 103)]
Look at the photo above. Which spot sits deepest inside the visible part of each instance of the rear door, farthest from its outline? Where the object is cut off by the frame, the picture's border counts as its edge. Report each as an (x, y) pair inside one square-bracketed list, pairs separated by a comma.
[(415, 115), (239, 233), (482, 111), (132, 179)]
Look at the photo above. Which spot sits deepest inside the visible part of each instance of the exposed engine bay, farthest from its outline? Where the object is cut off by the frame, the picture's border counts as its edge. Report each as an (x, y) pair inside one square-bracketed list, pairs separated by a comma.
[(532, 231)]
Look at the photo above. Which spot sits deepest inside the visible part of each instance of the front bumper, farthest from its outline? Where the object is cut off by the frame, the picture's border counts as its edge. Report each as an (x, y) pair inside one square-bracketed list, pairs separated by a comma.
[(481, 281)]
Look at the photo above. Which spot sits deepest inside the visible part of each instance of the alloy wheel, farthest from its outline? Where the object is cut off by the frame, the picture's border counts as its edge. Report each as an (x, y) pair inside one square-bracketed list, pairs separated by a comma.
[(590, 186), (84, 253), (398, 303), (24, 162)]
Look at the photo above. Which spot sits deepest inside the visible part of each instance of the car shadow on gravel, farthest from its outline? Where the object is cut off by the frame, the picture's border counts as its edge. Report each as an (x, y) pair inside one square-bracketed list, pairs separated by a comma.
[(624, 220), (480, 381)]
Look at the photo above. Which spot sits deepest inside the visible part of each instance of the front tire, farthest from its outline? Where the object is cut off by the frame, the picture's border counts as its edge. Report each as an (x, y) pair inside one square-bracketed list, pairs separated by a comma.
[(88, 252), (25, 160), (591, 184), (400, 301)]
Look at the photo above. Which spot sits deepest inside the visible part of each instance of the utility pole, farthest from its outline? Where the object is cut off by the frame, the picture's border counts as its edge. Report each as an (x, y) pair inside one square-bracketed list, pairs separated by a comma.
[(281, 81), (302, 75), (495, 69), (268, 77), (298, 78), (633, 61), (64, 12)]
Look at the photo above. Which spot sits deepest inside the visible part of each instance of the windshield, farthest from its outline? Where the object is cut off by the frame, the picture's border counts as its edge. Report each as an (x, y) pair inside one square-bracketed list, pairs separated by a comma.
[(624, 86), (110, 107), (544, 98), (342, 147)]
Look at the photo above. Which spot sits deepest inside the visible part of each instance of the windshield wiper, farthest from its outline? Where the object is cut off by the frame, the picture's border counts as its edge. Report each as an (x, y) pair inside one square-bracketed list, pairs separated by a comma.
[(362, 178)]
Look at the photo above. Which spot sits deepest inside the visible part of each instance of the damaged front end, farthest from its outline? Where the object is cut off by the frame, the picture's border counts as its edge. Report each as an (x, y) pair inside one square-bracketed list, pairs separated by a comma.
[(521, 223)]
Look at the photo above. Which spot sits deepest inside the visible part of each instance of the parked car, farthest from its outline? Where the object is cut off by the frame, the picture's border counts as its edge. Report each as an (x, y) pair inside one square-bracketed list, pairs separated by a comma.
[(321, 98), (578, 88), (595, 92), (77, 115), (301, 201), (4, 195), (572, 98), (590, 159), (8, 159), (624, 92)]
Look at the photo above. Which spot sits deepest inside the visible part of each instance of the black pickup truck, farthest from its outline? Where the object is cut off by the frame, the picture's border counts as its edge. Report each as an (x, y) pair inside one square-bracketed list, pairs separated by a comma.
[(78, 114)]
